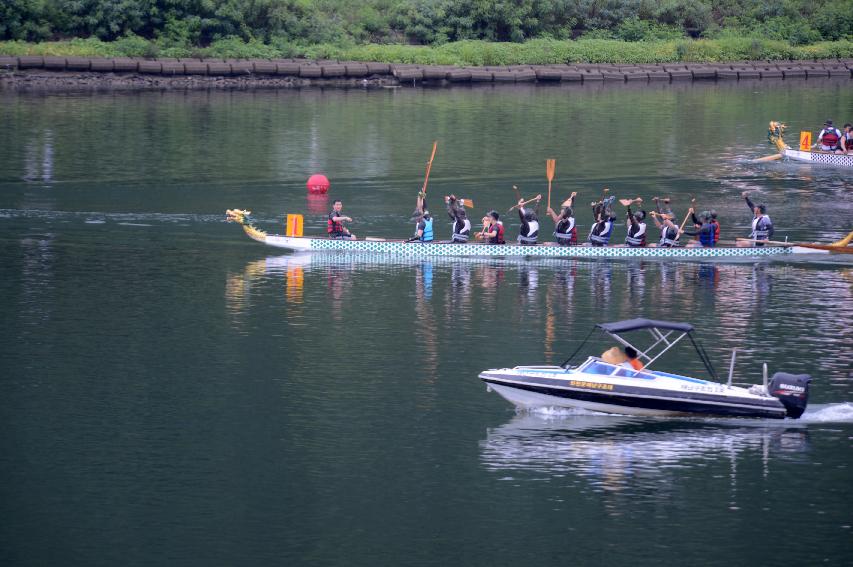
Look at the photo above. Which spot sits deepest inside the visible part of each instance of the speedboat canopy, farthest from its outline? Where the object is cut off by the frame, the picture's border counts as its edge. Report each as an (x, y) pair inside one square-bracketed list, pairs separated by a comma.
[(665, 335)]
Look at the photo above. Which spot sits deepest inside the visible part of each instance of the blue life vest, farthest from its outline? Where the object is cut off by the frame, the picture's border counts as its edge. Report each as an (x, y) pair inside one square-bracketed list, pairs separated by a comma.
[(427, 235), (707, 234)]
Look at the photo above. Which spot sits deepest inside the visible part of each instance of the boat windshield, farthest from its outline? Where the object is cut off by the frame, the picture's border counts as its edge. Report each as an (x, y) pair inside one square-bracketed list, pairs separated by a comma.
[(595, 365)]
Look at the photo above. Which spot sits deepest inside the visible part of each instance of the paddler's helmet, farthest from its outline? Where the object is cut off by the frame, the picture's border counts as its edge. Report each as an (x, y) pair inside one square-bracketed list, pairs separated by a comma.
[(494, 214), (567, 212), (640, 216), (713, 214), (763, 208), (529, 215)]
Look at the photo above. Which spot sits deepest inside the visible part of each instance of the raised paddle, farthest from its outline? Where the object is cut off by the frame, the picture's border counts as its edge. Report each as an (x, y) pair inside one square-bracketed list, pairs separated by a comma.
[(524, 203), (429, 166), (517, 194), (550, 166)]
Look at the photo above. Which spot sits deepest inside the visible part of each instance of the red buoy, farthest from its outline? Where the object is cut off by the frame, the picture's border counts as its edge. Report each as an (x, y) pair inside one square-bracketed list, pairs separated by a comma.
[(317, 184)]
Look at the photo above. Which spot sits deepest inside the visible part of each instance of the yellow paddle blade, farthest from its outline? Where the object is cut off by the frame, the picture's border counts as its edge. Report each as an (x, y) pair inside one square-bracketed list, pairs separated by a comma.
[(769, 158), (467, 203), (844, 241), (550, 167), (626, 202)]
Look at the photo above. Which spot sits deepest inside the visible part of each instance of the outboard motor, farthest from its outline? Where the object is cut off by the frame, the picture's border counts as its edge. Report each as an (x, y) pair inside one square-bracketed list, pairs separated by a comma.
[(792, 390)]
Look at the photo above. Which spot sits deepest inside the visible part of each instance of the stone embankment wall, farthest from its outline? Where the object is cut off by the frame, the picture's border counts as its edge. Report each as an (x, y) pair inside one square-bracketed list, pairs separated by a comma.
[(137, 72)]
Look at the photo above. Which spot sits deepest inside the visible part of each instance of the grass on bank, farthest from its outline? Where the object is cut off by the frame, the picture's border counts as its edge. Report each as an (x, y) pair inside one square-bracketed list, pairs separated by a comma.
[(464, 53)]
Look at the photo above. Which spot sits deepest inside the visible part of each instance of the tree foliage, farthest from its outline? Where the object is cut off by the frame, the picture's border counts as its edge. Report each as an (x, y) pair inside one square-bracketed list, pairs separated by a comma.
[(182, 23)]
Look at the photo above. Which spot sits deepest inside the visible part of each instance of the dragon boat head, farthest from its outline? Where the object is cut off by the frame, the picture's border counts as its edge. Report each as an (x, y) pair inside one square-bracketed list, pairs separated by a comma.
[(237, 215)]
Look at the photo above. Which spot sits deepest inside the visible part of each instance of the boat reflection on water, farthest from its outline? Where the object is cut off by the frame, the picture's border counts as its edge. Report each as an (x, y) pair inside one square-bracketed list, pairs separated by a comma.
[(620, 456)]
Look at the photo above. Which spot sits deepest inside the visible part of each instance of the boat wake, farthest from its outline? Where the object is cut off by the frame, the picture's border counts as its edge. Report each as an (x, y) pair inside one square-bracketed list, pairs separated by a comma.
[(829, 413), (816, 413)]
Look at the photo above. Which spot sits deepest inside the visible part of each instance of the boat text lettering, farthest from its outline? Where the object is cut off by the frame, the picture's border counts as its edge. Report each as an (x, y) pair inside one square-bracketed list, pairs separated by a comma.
[(593, 385)]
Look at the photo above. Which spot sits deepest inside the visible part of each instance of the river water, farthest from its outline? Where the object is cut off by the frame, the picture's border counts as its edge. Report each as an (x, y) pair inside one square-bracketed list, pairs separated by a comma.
[(173, 393)]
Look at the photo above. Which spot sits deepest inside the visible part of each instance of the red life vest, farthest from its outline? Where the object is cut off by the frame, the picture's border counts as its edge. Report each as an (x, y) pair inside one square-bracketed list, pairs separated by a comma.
[(716, 230), (332, 226), (499, 238), (830, 137)]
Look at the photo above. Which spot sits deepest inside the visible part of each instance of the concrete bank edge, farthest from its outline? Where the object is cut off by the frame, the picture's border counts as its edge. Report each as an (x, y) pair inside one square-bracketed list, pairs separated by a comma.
[(31, 69)]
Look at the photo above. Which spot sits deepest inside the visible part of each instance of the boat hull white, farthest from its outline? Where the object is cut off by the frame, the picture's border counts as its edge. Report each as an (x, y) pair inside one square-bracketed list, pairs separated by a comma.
[(648, 394), (524, 399), (824, 158)]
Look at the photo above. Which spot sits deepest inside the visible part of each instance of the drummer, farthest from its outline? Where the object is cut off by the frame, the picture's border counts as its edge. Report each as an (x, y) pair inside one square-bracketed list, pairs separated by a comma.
[(335, 224)]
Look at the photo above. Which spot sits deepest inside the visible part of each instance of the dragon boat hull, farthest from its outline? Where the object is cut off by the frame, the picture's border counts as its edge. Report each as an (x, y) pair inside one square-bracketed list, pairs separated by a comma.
[(418, 249), (824, 158)]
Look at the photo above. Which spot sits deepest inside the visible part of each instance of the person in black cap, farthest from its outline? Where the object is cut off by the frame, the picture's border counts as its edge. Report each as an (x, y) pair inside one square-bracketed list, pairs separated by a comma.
[(829, 137), (461, 224), (529, 231), (493, 228), (565, 231), (636, 224), (762, 226)]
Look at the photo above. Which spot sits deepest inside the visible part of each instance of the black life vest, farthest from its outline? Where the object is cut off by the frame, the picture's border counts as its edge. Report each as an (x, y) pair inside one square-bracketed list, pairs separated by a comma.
[(668, 237), (636, 235), (566, 232)]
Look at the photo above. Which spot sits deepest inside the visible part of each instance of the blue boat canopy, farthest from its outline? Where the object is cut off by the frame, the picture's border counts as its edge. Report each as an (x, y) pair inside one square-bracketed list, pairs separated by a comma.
[(637, 324)]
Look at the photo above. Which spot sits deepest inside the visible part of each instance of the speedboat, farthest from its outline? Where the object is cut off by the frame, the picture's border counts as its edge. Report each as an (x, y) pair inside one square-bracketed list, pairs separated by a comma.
[(604, 384)]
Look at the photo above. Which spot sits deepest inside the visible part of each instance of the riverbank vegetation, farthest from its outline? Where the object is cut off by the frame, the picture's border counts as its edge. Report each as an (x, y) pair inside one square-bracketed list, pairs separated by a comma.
[(460, 32)]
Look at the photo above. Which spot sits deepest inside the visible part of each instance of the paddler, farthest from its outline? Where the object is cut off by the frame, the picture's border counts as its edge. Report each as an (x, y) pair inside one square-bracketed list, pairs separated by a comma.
[(565, 230), (423, 221), (762, 226), (493, 228), (847, 139), (529, 231), (668, 230), (461, 224), (716, 224), (705, 229), (829, 137), (636, 223), (666, 209), (335, 224), (602, 228)]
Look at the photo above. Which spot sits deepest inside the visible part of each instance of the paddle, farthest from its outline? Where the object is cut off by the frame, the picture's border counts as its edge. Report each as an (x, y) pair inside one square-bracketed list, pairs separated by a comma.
[(517, 194), (537, 197), (835, 247), (628, 202), (686, 216), (429, 166), (768, 158), (550, 166)]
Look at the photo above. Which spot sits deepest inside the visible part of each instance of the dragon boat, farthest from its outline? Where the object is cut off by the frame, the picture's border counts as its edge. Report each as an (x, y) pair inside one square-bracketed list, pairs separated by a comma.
[(402, 248), (804, 153)]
